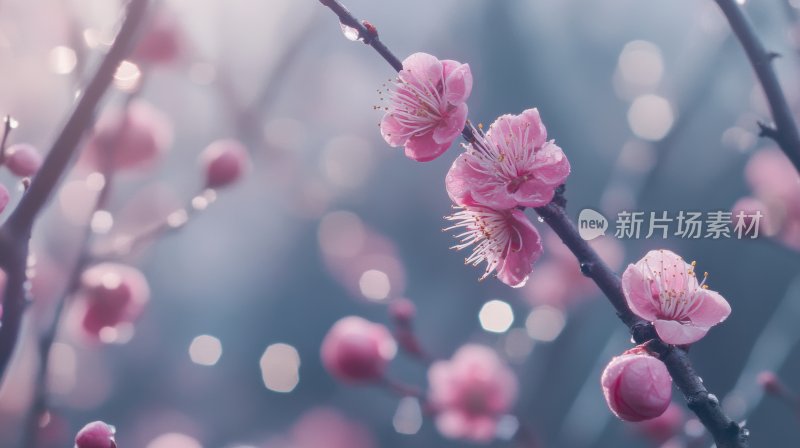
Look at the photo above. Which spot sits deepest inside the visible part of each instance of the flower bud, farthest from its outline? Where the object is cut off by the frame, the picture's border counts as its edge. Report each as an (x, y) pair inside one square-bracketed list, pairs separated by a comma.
[(4, 197), (160, 43), (96, 435), (23, 160), (132, 139), (637, 386), (357, 350), (113, 294), (663, 427), (402, 311), (224, 162)]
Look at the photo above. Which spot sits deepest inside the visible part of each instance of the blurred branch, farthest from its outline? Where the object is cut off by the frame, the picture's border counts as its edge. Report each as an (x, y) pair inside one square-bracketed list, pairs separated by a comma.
[(784, 132), (15, 233), (726, 432), (47, 336)]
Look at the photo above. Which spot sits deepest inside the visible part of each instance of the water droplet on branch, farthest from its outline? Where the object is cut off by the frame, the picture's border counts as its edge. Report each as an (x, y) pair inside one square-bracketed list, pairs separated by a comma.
[(351, 33)]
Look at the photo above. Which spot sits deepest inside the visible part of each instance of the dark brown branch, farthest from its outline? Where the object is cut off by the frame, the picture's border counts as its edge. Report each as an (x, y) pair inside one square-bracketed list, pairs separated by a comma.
[(726, 432), (16, 232), (784, 132)]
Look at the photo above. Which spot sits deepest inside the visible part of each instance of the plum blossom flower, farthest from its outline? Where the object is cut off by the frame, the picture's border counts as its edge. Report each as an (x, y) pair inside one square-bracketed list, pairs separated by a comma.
[(357, 350), (506, 240), (637, 386), (224, 162), (775, 188), (428, 107), (512, 165), (663, 289), (96, 435), (23, 160), (112, 294), (470, 392)]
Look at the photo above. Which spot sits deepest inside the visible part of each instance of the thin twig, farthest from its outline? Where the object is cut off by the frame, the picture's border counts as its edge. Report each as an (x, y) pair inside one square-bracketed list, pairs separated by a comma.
[(726, 432), (784, 131), (15, 233)]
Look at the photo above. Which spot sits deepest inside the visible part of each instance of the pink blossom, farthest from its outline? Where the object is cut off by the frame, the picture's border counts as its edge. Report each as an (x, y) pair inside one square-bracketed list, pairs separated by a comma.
[(112, 294), (224, 162), (637, 386), (23, 160), (357, 350), (96, 435), (470, 392), (131, 141), (663, 289), (323, 427), (513, 165), (161, 43), (776, 184), (428, 107), (5, 197), (506, 240)]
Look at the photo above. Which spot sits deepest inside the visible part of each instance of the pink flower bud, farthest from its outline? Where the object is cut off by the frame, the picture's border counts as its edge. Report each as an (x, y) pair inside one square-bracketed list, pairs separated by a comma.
[(402, 311), (113, 294), (160, 44), (357, 350), (23, 160), (129, 140), (96, 435), (4, 197), (663, 427), (637, 386), (771, 383), (224, 161)]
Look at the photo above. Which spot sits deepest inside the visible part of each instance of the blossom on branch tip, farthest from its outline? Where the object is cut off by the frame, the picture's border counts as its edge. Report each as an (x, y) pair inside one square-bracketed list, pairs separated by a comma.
[(23, 160), (96, 435), (161, 43), (470, 392), (512, 165), (636, 386), (112, 294), (427, 106), (357, 350), (663, 289), (224, 162), (506, 240)]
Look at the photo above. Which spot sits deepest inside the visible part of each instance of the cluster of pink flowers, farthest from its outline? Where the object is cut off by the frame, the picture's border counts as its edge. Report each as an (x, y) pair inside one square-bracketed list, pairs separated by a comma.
[(468, 393), (510, 167)]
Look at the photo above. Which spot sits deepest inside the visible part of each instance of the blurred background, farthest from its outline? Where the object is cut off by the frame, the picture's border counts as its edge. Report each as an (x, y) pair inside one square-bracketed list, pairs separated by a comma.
[(653, 102)]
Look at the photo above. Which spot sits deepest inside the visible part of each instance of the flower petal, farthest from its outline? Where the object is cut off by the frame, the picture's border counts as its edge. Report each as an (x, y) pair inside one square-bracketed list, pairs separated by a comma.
[(392, 131), (713, 309), (534, 193), (518, 262), (636, 288), (450, 127), (422, 69), (423, 148), (551, 165), (676, 333), (457, 81)]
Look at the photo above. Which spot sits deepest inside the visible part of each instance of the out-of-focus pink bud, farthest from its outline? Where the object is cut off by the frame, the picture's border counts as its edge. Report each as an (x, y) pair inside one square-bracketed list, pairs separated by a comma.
[(663, 427), (129, 141), (161, 42), (402, 311), (637, 386), (96, 435), (357, 350), (4, 197), (224, 162), (23, 160), (114, 293)]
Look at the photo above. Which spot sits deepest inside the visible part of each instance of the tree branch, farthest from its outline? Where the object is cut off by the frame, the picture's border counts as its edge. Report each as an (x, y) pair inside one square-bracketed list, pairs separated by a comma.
[(726, 432), (15, 233), (784, 132)]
